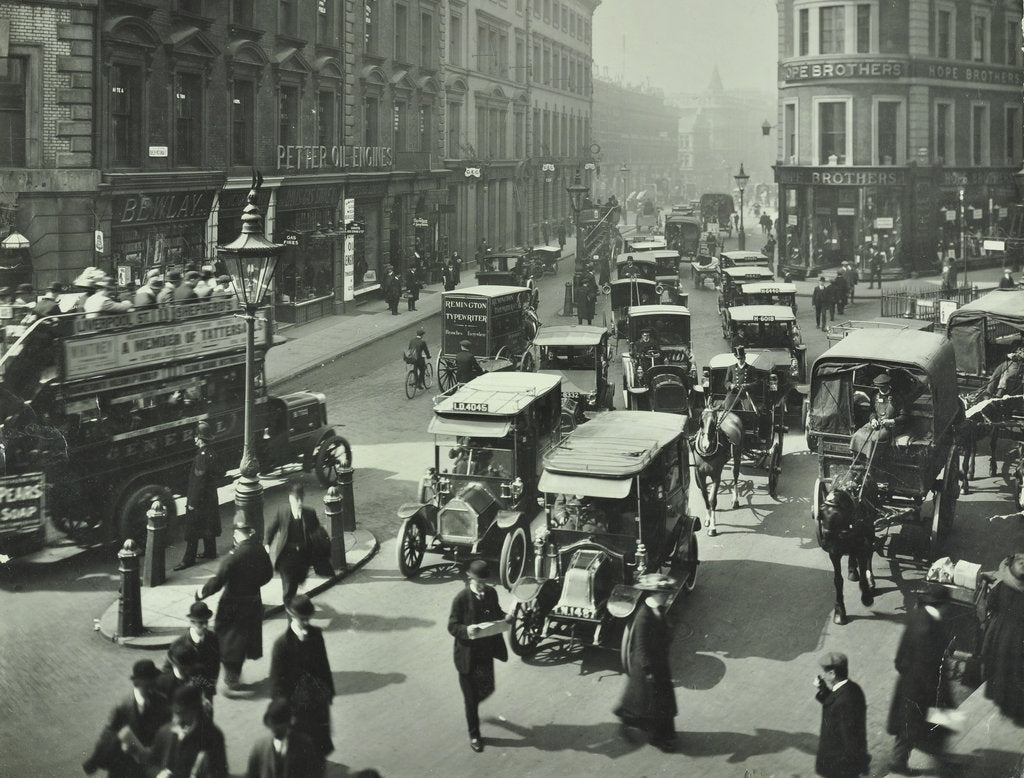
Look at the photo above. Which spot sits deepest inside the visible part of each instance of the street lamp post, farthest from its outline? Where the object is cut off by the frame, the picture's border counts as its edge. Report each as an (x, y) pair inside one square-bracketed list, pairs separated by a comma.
[(577, 192), (625, 189), (741, 179), (252, 260)]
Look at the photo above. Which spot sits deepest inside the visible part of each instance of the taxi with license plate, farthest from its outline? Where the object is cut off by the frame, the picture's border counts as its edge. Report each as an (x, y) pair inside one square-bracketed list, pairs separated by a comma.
[(767, 293), (479, 497), (578, 354)]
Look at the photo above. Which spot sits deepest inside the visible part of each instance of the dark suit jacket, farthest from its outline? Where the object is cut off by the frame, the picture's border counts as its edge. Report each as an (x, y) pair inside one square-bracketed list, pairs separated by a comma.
[(738, 374), (821, 296), (108, 755), (239, 622), (466, 610), (277, 533), (301, 760), (922, 683), (202, 506), (46, 307), (205, 739), (292, 658), (649, 691), (466, 367), (209, 661), (843, 745)]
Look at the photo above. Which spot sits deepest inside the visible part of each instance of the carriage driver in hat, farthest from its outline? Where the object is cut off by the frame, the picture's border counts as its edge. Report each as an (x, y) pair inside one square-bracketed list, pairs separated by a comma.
[(888, 418), (466, 366), (737, 381)]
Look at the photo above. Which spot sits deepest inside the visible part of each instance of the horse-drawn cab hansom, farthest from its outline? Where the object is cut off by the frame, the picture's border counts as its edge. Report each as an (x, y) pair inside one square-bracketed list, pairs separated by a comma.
[(919, 456), (658, 373), (771, 331), (616, 496), (480, 496), (498, 321), (578, 354)]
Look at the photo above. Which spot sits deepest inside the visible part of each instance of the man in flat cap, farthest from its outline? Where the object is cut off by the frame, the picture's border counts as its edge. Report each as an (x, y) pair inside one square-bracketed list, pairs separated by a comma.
[(132, 726), (466, 366), (843, 744), (223, 287), (922, 681), (239, 622), (888, 418)]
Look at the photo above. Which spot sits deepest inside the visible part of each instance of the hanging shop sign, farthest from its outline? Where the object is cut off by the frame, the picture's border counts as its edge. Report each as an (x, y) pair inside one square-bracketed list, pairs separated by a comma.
[(419, 221), (307, 158), (884, 223), (348, 290)]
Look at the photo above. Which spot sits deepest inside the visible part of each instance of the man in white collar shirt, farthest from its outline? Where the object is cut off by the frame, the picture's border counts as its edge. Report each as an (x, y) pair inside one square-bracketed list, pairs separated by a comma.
[(283, 753), (843, 744), (207, 648)]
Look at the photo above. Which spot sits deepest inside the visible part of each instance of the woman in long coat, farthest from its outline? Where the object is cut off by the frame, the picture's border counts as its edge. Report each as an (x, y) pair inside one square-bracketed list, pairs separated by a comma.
[(922, 682), (1002, 653), (649, 701)]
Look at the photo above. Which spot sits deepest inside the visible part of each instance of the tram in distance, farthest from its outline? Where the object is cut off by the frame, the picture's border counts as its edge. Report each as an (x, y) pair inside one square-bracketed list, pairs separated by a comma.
[(99, 418)]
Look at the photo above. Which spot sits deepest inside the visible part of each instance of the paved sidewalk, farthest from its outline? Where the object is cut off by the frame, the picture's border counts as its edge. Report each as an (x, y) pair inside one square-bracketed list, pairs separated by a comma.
[(985, 279), (165, 607), (312, 345)]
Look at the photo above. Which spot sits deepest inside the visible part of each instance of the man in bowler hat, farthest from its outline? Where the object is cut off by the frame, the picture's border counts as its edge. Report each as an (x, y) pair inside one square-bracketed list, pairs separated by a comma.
[(190, 744), (474, 655), (131, 727), (843, 744), (922, 681), (202, 508), (239, 623), (283, 752), (301, 674), (206, 647)]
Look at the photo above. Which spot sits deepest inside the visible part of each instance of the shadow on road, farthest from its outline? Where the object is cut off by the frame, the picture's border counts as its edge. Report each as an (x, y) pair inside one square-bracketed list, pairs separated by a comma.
[(601, 738), (361, 681), (741, 746)]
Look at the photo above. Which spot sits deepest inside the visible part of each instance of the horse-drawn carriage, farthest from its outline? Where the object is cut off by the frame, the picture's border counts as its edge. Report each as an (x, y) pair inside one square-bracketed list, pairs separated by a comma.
[(900, 466), (498, 321), (615, 499), (772, 331), (985, 333), (494, 431), (682, 234), (578, 355), (658, 374)]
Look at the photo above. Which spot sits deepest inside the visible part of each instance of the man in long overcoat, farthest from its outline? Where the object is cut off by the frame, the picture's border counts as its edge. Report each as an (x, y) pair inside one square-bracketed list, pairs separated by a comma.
[(202, 646), (922, 682), (301, 674), (649, 701), (586, 296), (292, 541), (843, 744), (190, 744), (239, 622), (889, 417), (202, 508), (283, 752), (131, 727), (474, 656)]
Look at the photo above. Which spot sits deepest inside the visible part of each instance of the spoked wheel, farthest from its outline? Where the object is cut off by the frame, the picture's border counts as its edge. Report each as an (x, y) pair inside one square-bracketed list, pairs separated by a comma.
[(527, 364), (775, 467), (330, 457), (512, 562), (526, 627), (410, 383), (944, 500), (624, 647), (131, 514), (820, 493), (412, 544), (688, 566), (84, 528), (428, 375), (446, 375)]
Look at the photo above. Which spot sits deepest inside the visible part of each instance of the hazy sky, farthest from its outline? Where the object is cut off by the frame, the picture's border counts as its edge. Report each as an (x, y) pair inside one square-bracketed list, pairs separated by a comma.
[(675, 43)]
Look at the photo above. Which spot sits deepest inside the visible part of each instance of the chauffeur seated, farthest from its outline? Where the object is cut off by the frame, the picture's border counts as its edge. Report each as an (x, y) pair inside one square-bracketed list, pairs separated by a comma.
[(579, 512)]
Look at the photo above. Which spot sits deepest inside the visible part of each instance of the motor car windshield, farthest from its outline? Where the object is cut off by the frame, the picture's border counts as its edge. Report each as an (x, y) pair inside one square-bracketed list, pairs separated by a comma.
[(567, 357), (580, 513), (774, 334), (670, 330), (485, 457)]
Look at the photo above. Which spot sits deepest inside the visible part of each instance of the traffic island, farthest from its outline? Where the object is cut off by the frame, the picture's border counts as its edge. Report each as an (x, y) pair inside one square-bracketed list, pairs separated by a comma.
[(165, 607)]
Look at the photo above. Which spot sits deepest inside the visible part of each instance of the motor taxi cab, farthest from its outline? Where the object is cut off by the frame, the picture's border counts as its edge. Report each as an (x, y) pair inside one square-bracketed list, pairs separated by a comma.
[(658, 374), (578, 355)]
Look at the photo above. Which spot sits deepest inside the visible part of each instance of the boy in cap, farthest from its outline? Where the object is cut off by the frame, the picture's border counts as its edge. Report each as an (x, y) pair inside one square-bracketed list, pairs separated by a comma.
[(283, 752), (301, 674), (477, 603), (843, 743), (466, 366), (239, 623), (132, 726)]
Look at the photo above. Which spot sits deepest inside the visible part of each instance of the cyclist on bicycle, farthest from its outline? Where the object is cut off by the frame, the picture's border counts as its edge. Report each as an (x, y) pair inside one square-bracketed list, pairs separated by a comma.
[(418, 353)]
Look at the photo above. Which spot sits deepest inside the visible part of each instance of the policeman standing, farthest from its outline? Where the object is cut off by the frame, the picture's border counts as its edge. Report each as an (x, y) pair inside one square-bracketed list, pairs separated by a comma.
[(202, 509)]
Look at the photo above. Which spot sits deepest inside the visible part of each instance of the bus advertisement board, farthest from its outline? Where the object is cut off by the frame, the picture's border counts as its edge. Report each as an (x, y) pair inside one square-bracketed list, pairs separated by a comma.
[(133, 349), (21, 503)]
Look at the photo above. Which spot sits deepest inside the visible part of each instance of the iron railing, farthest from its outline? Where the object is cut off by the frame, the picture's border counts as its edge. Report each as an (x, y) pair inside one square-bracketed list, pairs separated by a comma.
[(925, 303)]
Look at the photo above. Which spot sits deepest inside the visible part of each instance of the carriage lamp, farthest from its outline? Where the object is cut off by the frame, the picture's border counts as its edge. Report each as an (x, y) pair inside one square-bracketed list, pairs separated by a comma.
[(513, 489), (794, 367), (641, 558), (705, 373), (444, 485), (773, 383), (592, 398)]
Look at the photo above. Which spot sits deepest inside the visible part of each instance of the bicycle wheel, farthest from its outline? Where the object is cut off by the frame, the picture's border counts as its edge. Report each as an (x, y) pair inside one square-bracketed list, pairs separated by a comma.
[(428, 375), (410, 384)]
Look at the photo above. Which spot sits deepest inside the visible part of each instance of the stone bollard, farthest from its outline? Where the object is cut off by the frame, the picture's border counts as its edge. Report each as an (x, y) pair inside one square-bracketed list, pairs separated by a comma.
[(153, 569), (567, 307), (129, 609), (335, 510)]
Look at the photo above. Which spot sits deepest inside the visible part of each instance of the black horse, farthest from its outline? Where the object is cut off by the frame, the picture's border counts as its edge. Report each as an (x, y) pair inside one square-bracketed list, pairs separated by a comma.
[(974, 422), (845, 527)]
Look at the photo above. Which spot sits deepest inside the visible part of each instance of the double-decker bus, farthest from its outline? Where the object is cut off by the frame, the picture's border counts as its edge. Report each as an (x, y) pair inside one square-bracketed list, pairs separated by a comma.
[(98, 418)]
